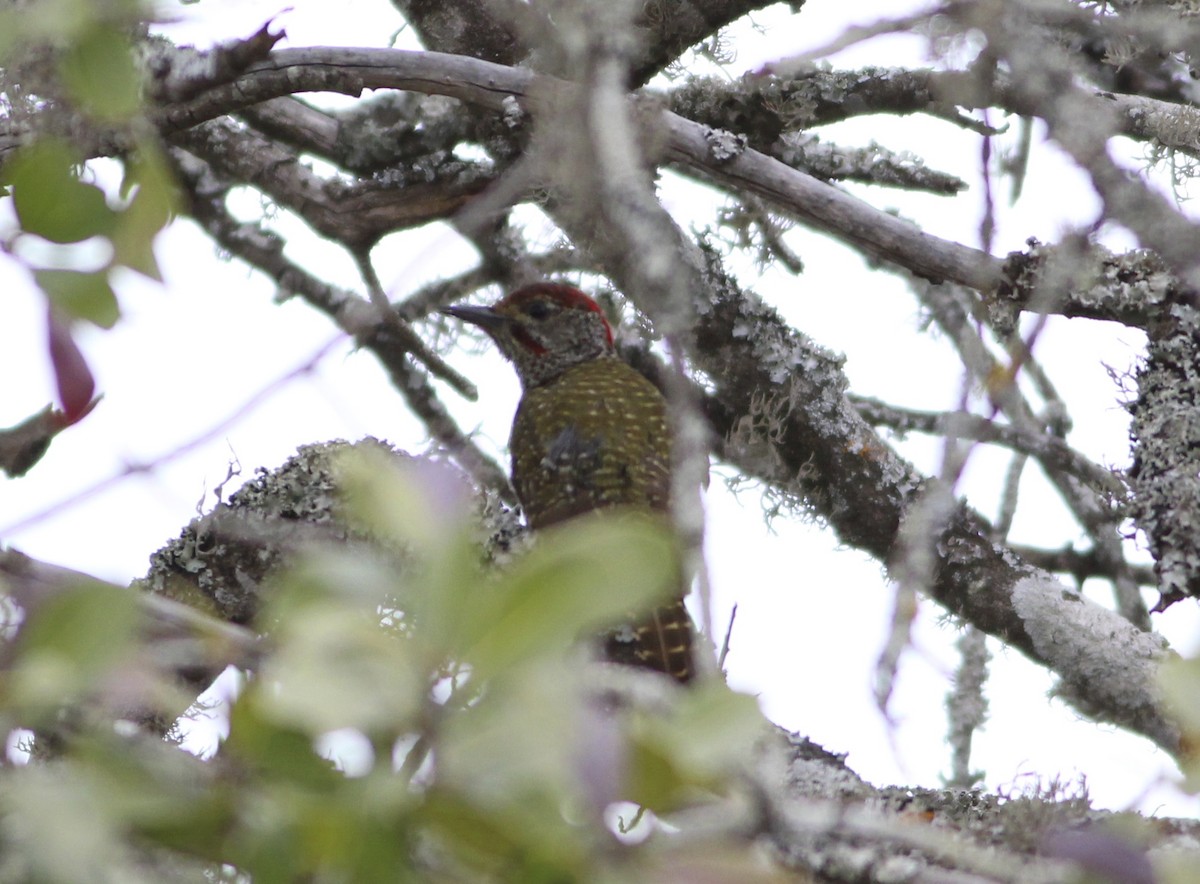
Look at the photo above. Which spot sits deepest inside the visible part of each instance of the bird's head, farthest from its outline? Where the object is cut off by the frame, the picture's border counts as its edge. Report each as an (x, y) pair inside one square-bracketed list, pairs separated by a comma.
[(543, 329)]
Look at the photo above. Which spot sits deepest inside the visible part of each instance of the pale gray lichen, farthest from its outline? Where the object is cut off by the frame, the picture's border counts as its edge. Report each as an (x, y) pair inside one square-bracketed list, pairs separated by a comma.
[(1085, 280), (873, 163), (724, 145), (815, 772), (512, 115), (1107, 665), (1165, 476), (823, 819), (220, 560)]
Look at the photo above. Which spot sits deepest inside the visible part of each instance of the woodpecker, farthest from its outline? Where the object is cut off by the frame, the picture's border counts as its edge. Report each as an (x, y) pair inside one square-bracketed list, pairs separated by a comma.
[(590, 432)]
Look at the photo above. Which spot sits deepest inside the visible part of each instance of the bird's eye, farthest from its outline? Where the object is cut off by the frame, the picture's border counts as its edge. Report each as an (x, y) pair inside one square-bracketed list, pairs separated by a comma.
[(537, 310)]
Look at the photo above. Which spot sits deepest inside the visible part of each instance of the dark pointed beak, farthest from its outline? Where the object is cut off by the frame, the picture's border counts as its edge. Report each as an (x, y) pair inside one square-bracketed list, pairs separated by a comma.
[(484, 317)]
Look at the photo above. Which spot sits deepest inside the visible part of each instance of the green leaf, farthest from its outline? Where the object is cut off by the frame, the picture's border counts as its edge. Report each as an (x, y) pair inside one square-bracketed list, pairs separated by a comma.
[(100, 75), (578, 579), (278, 752), (420, 510), (299, 817), (81, 295), (520, 739), (53, 21), (154, 204), (71, 643), (1179, 680), (710, 730), (8, 33), (715, 859), (414, 503), (501, 846), (164, 794), (49, 198), (335, 668), (359, 832), (694, 749), (66, 830)]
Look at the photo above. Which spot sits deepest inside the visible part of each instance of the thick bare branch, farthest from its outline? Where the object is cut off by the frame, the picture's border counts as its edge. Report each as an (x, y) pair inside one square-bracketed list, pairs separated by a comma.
[(826, 208), (503, 32), (184, 645), (767, 107), (1091, 506), (1081, 565), (356, 214), (690, 144), (1085, 281), (782, 410)]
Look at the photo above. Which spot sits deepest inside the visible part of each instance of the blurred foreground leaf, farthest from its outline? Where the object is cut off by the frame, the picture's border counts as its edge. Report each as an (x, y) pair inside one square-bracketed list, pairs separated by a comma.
[(335, 668), (482, 747), (50, 199), (705, 741), (153, 203), (1179, 679), (68, 647), (578, 579), (81, 295), (98, 71)]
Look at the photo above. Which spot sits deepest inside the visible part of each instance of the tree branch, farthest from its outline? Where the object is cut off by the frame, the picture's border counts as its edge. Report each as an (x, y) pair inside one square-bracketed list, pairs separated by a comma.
[(505, 32), (357, 317), (495, 87), (1046, 448), (782, 410), (357, 214)]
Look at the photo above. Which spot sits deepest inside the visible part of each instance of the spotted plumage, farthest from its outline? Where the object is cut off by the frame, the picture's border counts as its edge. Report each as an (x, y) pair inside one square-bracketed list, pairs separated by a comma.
[(590, 432), (595, 436)]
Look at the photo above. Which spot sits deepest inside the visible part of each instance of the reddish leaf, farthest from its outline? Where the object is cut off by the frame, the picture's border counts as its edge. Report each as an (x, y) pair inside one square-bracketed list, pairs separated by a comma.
[(75, 382)]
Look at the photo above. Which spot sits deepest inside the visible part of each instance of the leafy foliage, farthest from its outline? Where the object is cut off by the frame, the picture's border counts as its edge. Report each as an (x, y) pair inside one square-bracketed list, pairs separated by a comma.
[(82, 236), (484, 748)]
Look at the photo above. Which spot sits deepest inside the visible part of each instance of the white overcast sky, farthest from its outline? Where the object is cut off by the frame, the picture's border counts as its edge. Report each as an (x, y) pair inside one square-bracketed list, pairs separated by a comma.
[(811, 616)]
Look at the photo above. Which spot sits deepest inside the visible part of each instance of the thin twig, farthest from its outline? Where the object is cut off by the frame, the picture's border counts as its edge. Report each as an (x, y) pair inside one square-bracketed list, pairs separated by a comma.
[(249, 406), (1048, 449), (728, 635)]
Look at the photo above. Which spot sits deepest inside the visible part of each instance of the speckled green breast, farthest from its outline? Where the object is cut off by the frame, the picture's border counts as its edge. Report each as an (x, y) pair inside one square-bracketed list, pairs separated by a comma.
[(594, 437)]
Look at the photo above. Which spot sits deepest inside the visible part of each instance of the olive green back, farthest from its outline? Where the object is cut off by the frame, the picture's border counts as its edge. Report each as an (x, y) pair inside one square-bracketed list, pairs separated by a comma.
[(596, 436)]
